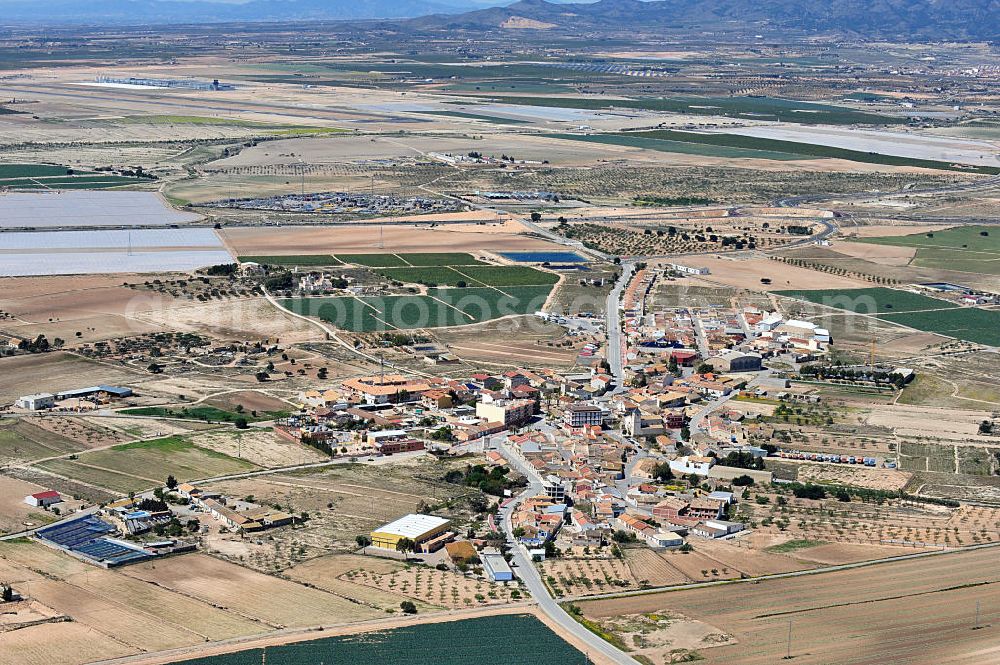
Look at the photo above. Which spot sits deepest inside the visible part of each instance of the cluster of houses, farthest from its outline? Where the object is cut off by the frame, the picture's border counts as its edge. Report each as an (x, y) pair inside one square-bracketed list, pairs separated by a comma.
[(236, 515), (348, 416)]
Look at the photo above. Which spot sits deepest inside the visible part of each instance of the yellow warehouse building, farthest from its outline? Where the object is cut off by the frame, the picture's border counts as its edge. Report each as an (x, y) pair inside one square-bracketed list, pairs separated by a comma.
[(418, 528)]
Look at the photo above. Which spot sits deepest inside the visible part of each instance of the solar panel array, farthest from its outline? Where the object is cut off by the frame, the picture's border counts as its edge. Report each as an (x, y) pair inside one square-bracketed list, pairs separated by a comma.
[(74, 533), (86, 536), (111, 552)]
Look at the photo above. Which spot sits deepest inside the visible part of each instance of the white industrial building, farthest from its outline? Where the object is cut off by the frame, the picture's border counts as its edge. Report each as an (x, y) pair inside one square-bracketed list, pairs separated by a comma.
[(37, 402), (688, 270)]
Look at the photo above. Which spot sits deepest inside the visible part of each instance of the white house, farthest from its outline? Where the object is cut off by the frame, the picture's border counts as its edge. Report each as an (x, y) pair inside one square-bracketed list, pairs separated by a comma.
[(693, 464), (43, 499)]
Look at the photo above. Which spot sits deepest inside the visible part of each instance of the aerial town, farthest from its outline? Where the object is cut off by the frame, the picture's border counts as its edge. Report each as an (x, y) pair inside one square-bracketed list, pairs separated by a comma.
[(494, 336)]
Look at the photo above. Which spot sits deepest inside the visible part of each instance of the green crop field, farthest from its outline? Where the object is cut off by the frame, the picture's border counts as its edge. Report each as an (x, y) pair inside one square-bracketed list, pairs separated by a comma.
[(912, 310), (294, 260), (136, 466), (500, 276), (373, 260), (53, 176), (969, 323), (32, 170), (439, 308), (876, 300), (973, 249), (206, 413), (484, 641), (483, 304), (440, 259), (416, 259), (797, 149), (431, 276), (346, 313)]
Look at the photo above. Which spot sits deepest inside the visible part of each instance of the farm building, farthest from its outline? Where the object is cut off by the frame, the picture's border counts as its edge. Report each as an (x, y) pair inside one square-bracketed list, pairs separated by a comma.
[(36, 402), (419, 528), (43, 499), (95, 391), (496, 566)]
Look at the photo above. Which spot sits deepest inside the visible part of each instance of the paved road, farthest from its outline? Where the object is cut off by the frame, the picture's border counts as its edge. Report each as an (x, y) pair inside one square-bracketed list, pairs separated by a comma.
[(613, 325), (695, 425), (528, 574)]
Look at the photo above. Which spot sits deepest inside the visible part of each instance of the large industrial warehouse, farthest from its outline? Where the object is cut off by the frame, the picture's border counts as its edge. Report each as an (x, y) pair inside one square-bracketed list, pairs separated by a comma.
[(418, 528)]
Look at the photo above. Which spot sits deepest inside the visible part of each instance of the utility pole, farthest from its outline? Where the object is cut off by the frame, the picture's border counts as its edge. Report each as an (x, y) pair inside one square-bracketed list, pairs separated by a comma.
[(977, 626), (788, 653)]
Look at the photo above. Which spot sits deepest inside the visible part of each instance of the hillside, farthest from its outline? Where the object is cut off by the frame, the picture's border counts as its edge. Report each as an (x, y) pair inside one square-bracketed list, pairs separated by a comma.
[(927, 19)]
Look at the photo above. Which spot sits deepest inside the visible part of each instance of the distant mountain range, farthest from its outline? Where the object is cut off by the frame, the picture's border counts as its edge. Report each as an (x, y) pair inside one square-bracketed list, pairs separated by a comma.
[(924, 19), (209, 11)]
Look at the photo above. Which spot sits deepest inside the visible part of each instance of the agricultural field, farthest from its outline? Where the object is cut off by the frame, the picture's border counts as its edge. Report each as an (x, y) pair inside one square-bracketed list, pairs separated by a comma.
[(342, 501), (971, 324), (741, 146), (109, 251), (471, 275), (974, 249), (271, 602), (86, 209), (263, 448), (519, 341), (882, 619), (15, 514), (428, 276), (442, 588), (143, 464), (912, 310), (438, 308), (896, 524), (356, 243), (329, 573), (147, 616), (735, 107), (637, 140), (318, 260), (22, 440), (209, 414), (870, 301), (51, 176), (585, 576)]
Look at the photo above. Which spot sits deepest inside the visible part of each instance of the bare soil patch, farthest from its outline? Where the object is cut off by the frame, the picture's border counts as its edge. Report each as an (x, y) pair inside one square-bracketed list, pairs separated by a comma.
[(53, 372), (15, 514), (276, 602), (912, 611), (881, 254), (747, 272), (261, 447)]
